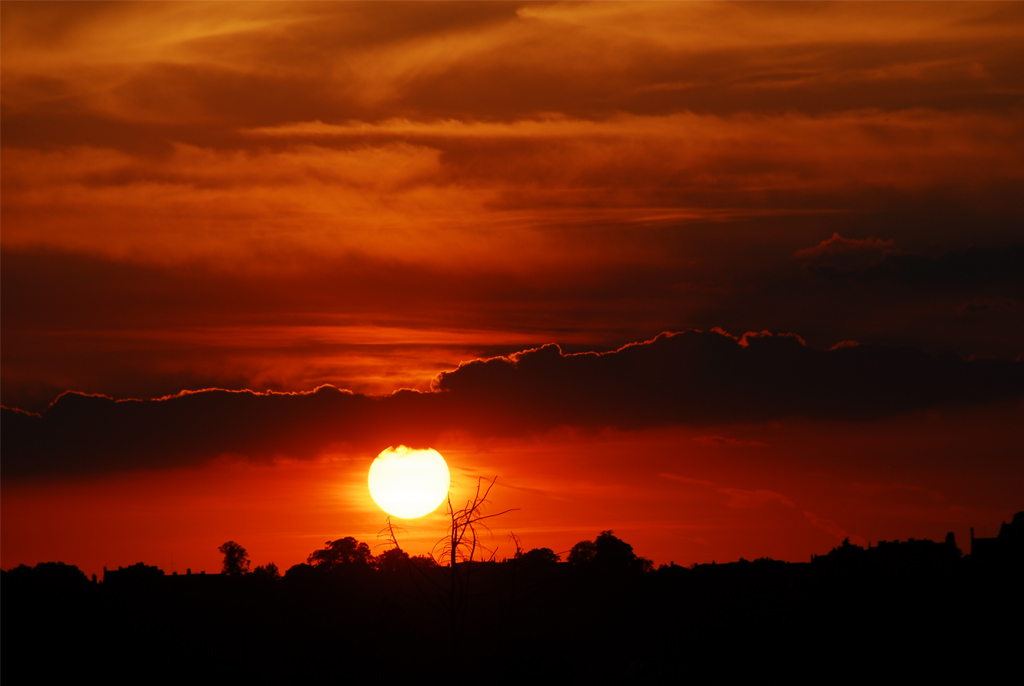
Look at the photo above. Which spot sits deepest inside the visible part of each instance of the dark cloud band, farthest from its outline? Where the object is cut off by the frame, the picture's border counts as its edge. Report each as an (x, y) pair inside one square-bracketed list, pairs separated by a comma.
[(687, 378)]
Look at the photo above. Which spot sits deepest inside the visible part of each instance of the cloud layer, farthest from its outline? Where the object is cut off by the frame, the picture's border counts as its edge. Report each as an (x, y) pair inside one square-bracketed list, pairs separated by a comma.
[(688, 378), (126, 329), (490, 133)]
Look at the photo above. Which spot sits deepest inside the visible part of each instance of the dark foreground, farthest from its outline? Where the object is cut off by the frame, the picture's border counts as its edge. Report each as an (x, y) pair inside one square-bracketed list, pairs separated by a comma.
[(911, 610)]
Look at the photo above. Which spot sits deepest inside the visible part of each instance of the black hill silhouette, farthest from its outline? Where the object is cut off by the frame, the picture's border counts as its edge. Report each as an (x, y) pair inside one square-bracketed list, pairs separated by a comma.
[(909, 603)]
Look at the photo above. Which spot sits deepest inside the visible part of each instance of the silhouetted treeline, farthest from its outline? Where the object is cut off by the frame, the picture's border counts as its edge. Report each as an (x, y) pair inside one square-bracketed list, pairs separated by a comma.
[(897, 609)]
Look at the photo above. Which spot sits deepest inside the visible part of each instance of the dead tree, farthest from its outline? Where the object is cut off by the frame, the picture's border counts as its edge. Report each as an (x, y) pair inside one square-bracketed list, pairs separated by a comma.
[(459, 547), (456, 552)]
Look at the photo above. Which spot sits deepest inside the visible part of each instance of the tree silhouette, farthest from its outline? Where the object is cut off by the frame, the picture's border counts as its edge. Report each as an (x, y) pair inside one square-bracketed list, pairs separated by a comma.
[(462, 542), (538, 556), (609, 554), (343, 554), (236, 559), (612, 552), (392, 561), (460, 546), (582, 553)]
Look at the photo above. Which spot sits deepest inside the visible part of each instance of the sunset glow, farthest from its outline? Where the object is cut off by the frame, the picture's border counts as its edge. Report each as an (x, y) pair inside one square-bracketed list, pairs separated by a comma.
[(730, 279)]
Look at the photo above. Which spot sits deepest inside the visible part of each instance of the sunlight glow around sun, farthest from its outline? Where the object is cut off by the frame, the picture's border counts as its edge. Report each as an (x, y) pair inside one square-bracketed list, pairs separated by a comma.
[(409, 483)]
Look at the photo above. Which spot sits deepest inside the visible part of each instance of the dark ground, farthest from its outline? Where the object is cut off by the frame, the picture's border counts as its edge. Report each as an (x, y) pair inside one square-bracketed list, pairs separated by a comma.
[(913, 611)]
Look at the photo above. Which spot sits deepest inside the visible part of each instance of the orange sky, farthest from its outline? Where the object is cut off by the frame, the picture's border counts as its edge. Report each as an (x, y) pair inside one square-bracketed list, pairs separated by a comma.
[(277, 196), (786, 490)]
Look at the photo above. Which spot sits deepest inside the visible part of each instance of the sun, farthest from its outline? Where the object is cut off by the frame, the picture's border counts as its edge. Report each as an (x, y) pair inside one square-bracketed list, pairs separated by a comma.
[(409, 483)]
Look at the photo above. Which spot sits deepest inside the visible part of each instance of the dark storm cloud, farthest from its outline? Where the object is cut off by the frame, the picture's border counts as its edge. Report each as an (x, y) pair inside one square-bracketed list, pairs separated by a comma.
[(699, 377), (83, 433), (689, 378)]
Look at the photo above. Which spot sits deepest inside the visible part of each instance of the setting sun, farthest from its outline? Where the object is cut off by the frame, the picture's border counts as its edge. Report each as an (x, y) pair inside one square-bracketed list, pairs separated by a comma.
[(409, 483)]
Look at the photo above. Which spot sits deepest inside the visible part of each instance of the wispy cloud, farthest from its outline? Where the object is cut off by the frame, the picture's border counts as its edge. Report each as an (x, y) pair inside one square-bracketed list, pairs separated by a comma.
[(739, 498)]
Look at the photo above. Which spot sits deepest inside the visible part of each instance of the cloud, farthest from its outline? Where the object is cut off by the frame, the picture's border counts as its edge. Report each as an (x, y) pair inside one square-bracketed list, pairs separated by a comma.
[(690, 378), (698, 378), (436, 187), (846, 253), (965, 299), (133, 328), (741, 498), (285, 63), (383, 128)]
